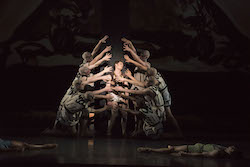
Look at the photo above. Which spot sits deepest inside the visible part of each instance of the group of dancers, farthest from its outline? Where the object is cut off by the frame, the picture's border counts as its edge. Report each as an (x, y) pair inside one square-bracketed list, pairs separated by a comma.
[(143, 93), (144, 87)]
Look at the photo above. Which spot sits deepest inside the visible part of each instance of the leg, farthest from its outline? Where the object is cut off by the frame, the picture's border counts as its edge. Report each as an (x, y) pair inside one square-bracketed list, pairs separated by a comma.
[(83, 127), (39, 146), (171, 118), (157, 150), (21, 146), (114, 114), (124, 121), (168, 150)]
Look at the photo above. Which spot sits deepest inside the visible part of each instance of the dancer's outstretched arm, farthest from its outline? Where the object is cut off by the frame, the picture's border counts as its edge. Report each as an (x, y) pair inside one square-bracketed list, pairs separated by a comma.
[(134, 82), (94, 79), (108, 96), (106, 89), (100, 42), (107, 57), (145, 91), (129, 74), (128, 97), (141, 66), (134, 55), (105, 70), (129, 43), (99, 110), (98, 57)]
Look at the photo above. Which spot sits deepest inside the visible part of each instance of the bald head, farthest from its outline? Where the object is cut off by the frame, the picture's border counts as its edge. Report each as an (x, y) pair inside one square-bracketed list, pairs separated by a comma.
[(145, 54)]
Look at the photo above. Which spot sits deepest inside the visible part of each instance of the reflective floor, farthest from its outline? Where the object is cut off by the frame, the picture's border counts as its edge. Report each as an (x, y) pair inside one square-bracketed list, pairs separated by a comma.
[(113, 152)]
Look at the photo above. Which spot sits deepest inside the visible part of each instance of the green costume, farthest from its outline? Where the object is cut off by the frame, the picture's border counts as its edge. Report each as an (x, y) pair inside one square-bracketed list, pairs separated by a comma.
[(199, 148)]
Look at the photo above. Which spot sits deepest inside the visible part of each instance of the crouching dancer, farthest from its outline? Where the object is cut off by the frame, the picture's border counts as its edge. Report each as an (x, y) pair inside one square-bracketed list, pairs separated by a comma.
[(72, 109)]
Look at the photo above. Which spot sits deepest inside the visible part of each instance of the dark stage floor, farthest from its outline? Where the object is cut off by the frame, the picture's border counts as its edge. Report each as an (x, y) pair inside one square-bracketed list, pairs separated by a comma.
[(113, 152)]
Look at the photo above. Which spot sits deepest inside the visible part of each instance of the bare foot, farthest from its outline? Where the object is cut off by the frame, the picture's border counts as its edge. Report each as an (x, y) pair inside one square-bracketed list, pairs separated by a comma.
[(143, 149), (170, 147), (50, 146)]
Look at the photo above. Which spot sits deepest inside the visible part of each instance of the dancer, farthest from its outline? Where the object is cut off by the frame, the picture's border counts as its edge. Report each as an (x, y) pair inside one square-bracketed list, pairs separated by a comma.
[(151, 95), (163, 88), (152, 125), (72, 108), (139, 74), (197, 150), (12, 145), (118, 66), (86, 68), (88, 57)]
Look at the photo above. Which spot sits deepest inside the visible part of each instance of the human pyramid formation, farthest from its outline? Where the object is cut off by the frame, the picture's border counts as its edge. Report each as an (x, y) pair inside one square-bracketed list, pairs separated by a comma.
[(146, 89)]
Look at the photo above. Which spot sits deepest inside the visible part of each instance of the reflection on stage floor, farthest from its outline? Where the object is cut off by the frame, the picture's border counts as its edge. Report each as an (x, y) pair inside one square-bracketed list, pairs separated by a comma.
[(112, 152)]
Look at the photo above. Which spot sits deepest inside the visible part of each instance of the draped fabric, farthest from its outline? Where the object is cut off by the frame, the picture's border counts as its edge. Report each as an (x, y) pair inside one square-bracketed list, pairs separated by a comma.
[(12, 13), (238, 12)]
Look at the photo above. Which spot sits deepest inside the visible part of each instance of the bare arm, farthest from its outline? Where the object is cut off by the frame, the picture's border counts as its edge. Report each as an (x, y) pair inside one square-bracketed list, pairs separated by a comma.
[(105, 70), (134, 55), (134, 82), (99, 62), (134, 112), (106, 89), (143, 67), (139, 92), (129, 43), (103, 96), (97, 47), (98, 57), (129, 74), (128, 97), (94, 79)]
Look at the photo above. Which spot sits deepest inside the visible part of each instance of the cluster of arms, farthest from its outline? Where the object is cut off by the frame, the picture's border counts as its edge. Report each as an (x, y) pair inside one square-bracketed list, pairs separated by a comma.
[(146, 89)]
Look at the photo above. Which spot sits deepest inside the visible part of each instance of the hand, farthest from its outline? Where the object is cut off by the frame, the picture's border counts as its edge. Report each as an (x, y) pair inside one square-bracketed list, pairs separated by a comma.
[(118, 88), (128, 73), (103, 40), (107, 69), (126, 48), (107, 49), (126, 57), (120, 79), (107, 57), (115, 106), (108, 88), (107, 78), (126, 41), (109, 96)]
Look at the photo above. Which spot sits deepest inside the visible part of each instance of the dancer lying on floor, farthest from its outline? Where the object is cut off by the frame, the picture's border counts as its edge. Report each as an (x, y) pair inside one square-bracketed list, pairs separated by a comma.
[(196, 150), (11, 145)]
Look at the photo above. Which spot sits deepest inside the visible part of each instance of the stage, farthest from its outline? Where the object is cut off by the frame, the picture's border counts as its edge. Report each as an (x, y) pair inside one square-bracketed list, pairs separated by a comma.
[(101, 151)]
